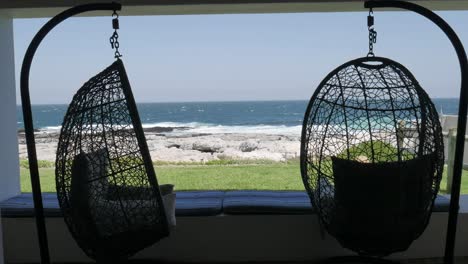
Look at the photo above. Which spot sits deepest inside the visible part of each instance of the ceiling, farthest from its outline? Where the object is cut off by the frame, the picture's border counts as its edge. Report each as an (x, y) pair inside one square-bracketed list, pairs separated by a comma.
[(48, 8)]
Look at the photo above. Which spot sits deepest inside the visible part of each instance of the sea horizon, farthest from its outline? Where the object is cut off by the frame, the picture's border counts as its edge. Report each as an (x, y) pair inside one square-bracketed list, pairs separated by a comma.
[(201, 101), (244, 116), (222, 101)]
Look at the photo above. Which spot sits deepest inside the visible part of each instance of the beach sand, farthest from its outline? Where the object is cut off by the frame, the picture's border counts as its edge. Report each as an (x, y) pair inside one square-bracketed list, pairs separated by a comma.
[(165, 145)]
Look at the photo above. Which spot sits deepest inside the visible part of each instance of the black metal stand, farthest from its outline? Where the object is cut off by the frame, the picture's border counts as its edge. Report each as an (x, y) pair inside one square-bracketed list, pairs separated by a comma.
[(462, 112), (28, 118)]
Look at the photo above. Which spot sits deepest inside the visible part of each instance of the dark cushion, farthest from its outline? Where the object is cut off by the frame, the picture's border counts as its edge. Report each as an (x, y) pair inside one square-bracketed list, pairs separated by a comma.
[(80, 206), (403, 187), (380, 207)]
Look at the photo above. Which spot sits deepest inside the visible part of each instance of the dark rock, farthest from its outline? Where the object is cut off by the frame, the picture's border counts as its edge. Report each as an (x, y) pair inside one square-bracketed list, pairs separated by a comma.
[(158, 129), (205, 147), (173, 146), (248, 146)]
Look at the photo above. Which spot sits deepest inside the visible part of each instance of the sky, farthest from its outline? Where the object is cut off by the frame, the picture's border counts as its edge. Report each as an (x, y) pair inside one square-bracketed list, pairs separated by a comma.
[(234, 57)]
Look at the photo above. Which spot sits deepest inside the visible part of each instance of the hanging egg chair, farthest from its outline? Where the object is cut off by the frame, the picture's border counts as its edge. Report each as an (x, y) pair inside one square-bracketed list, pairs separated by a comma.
[(106, 183), (372, 155)]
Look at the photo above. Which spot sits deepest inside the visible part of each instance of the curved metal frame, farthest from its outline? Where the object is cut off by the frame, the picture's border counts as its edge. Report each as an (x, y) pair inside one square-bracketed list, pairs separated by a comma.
[(462, 112), (28, 119)]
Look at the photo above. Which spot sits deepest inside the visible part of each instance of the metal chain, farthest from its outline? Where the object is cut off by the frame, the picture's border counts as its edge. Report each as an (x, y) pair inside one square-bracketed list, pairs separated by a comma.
[(372, 33), (114, 39)]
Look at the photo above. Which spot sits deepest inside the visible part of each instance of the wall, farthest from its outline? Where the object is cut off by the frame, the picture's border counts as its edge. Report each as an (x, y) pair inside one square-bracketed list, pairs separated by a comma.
[(448, 122), (227, 238), (9, 161), (2, 257), (9, 164)]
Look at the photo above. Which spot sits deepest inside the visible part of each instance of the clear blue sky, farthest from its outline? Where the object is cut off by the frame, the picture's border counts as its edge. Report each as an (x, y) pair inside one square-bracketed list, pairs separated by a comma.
[(235, 57)]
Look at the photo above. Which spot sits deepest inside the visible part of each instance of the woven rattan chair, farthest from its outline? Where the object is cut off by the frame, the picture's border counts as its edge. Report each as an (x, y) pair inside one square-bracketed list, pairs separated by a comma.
[(106, 184), (372, 155)]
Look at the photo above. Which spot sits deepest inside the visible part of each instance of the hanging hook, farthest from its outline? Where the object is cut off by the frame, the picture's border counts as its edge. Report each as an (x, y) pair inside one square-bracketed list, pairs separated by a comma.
[(115, 14), (372, 33), (114, 39)]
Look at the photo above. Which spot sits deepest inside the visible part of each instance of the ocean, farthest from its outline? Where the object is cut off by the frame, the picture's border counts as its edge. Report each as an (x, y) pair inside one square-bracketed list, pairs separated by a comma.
[(269, 117)]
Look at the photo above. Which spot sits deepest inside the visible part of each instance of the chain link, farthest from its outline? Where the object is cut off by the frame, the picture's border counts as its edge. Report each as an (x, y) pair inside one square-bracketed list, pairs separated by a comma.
[(114, 39), (372, 33)]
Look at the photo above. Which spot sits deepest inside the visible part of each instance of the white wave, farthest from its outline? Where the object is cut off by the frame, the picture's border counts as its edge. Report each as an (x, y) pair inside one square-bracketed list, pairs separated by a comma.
[(174, 124), (196, 127), (51, 128)]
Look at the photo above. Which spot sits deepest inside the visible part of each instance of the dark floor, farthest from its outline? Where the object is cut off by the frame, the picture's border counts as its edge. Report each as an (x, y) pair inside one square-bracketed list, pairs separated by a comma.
[(458, 260)]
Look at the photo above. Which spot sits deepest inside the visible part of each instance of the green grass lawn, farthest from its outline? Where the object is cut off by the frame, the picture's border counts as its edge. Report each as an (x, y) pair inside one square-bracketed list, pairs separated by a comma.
[(464, 186), (266, 176), (205, 177)]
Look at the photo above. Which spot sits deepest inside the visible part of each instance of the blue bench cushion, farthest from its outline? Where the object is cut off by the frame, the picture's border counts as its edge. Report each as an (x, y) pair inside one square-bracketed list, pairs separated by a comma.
[(202, 203), (187, 204), (267, 202), (199, 203), (274, 202), (441, 204), (23, 206)]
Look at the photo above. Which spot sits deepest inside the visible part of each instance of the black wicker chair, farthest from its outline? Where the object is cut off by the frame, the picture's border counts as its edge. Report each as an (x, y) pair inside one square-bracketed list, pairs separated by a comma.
[(372, 155), (106, 183)]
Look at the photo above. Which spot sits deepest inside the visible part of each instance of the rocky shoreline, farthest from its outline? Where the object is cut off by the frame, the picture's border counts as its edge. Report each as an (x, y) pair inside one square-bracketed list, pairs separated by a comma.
[(178, 145)]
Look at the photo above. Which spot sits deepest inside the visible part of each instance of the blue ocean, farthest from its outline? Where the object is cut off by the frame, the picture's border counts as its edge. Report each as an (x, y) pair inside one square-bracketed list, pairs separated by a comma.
[(213, 117)]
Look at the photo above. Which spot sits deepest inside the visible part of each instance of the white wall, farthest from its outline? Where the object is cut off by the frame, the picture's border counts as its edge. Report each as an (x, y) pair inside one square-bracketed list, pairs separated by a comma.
[(9, 163), (448, 122)]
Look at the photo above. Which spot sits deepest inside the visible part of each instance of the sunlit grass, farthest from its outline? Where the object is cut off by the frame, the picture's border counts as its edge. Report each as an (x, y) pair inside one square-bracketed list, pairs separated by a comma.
[(206, 177), (228, 175)]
